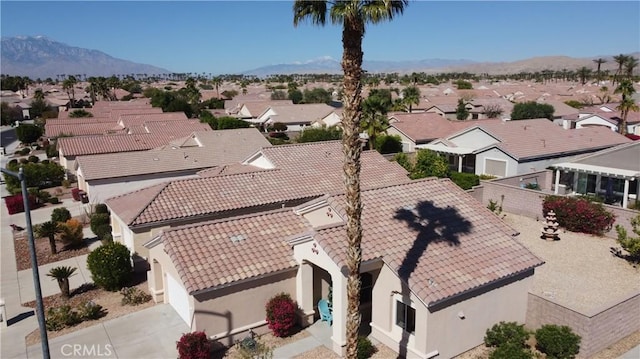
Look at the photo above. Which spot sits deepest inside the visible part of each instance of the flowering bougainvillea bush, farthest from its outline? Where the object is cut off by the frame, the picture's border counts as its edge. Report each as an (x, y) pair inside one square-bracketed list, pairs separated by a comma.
[(281, 314), (578, 214), (194, 345)]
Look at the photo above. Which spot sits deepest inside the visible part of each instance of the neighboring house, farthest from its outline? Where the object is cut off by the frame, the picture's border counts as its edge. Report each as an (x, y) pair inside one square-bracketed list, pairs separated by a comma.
[(285, 176), (250, 110), (158, 134), (107, 175), (447, 111), (613, 174), (595, 120), (433, 262), (508, 148), (422, 128), (561, 111), (296, 117), (25, 108)]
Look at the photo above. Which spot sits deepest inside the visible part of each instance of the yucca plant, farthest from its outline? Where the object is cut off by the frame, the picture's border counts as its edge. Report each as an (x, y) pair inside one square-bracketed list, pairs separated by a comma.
[(62, 274)]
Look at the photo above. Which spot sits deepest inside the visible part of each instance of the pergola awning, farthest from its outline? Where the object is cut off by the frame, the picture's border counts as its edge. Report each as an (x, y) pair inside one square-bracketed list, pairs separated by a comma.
[(598, 170)]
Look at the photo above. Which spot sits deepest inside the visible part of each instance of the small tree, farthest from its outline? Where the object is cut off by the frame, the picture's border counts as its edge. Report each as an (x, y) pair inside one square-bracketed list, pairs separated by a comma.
[(110, 266), (194, 345), (557, 342), (62, 274), (49, 229), (281, 314), (630, 244), (461, 111), (28, 133), (388, 144), (61, 214), (80, 113), (531, 109), (429, 164)]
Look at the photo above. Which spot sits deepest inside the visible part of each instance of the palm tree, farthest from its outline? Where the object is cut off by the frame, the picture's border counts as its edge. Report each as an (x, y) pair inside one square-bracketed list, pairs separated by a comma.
[(217, 81), (352, 15), (68, 85), (584, 74), (62, 274), (626, 105), (599, 62), (630, 65), (411, 96), (620, 60), (374, 116), (49, 230)]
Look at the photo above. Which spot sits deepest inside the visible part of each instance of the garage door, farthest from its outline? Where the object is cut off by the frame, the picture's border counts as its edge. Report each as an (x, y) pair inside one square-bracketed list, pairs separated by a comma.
[(178, 298)]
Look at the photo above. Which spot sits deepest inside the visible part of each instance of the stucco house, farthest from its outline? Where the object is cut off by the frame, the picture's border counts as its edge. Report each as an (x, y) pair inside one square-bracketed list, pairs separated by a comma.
[(282, 176), (106, 175), (434, 261), (613, 174), (296, 117), (508, 148)]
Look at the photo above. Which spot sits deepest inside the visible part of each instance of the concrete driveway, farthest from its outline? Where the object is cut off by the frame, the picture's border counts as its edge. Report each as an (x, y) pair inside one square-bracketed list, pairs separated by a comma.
[(150, 333)]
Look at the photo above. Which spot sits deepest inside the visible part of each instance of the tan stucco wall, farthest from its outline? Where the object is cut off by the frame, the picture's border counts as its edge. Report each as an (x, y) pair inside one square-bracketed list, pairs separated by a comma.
[(230, 312), (443, 330)]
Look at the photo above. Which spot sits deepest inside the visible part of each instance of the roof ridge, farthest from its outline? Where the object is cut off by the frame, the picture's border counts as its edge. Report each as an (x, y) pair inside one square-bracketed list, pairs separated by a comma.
[(232, 218), (315, 143)]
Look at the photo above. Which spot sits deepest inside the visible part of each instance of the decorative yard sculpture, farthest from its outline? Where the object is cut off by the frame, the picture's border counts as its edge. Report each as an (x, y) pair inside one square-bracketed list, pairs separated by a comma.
[(550, 229)]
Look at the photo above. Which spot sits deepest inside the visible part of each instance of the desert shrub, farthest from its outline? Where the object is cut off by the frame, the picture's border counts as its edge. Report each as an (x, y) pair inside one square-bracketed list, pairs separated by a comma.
[(429, 164), (464, 180), (578, 214), (110, 266), (25, 151), (103, 232), (506, 332), (61, 214), (403, 160), (316, 134), (364, 348), (101, 208), (51, 151), (90, 311), (42, 196), (24, 161), (250, 348), (54, 200), (72, 233), (134, 296), (281, 314), (194, 345), (630, 244), (511, 351), (557, 342), (61, 317), (98, 219), (34, 159), (66, 183), (279, 126)]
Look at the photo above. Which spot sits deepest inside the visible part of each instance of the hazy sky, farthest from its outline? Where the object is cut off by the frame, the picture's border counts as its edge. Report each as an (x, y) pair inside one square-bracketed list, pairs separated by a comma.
[(235, 36)]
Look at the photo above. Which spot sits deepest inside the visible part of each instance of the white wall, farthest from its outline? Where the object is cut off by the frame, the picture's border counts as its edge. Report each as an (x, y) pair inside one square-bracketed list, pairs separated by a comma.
[(595, 121), (495, 154), (475, 138)]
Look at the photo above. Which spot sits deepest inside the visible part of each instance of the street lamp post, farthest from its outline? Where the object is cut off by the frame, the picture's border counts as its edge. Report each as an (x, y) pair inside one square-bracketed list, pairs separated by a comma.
[(34, 262)]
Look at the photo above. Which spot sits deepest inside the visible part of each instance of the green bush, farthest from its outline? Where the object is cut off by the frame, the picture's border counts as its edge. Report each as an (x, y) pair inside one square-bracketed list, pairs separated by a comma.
[(102, 231), (464, 180), (511, 351), (364, 348), (61, 214), (110, 266), (134, 296), (388, 144), (429, 164), (578, 214), (28, 133), (51, 151), (33, 159), (557, 342), (315, 134), (98, 219), (54, 200), (628, 243), (25, 151), (506, 332), (101, 208)]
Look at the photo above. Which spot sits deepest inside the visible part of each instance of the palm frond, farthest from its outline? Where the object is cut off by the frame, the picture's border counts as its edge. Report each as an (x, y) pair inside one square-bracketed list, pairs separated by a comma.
[(315, 11)]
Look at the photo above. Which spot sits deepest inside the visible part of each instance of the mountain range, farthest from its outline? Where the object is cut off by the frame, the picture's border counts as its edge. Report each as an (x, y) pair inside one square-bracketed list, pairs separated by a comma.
[(41, 57)]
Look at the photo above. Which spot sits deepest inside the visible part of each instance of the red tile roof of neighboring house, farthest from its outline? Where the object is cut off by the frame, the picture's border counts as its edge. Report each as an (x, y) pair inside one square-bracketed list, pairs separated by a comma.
[(434, 236), (87, 129), (302, 171), (427, 126), (540, 137), (218, 253)]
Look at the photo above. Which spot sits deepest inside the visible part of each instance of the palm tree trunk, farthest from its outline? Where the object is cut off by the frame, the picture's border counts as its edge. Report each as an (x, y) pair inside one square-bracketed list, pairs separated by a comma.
[(352, 34), (63, 283), (52, 244)]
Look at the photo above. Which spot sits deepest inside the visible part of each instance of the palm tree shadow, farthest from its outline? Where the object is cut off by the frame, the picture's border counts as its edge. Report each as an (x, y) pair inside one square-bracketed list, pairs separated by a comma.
[(431, 224)]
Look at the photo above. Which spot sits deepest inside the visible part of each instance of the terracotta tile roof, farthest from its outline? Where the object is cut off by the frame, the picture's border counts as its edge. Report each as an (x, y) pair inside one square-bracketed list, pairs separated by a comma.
[(540, 137), (81, 120), (169, 126), (434, 236), (230, 169), (306, 113), (426, 126), (219, 253), (218, 148), (130, 120), (91, 145), (115, 113), (256, 108), (87, 129), (303, 171)]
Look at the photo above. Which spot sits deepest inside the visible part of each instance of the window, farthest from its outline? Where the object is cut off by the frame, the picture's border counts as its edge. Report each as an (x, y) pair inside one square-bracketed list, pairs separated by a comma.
[(405, 317)]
